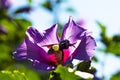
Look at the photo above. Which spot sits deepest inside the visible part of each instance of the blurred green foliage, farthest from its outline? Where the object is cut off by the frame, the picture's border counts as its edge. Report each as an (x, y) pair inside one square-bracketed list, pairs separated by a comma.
[(15, 75), (15, 33), (84, 66), (24, 9), (112, 43), (19, 74), (14, 29), (47, 5), (30, 1), (115, 76)]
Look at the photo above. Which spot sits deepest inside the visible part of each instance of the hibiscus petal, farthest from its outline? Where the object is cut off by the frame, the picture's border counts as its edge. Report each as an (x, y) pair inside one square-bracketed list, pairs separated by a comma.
[(47, 37), (72, 31), (30, 51), (85, 49), (21, 52), (42, 66)]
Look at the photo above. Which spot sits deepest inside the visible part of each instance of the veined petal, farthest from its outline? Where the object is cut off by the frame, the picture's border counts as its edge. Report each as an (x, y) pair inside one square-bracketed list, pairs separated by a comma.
[(72, 31), (47, 37), (30, 51), (21, 52), (42, 66), (85, 49)]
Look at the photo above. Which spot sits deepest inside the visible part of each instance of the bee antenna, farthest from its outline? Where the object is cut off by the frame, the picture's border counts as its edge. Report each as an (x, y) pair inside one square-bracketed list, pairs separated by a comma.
[(73, 45)]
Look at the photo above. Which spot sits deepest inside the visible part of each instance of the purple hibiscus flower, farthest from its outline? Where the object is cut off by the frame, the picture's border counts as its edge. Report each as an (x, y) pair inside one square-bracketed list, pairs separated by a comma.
[(46, 50), (5, 3)]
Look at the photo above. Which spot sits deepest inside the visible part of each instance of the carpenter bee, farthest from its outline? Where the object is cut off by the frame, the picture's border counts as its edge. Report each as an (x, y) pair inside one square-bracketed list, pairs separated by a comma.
[(58, 48)]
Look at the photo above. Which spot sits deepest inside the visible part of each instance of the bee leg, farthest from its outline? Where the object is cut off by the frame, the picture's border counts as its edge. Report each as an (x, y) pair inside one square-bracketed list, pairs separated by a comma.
[(50, 51)]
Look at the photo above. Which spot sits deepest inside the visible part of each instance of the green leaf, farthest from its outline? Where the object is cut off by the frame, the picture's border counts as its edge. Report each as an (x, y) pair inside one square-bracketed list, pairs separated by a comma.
[(84, 66), (114, 48), (30, 1), (15, 29), (3, 13), (94, 59), (25, 9), (115, 76), (61, 73), (106, 40), (103, 28), (47, 5), (4, 50), (112, 43), (29, 73), (60, 28), (15, 75), (22, 23), (116, 38)]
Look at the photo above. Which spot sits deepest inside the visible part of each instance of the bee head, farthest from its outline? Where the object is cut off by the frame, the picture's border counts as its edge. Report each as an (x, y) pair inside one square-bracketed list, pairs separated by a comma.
[(64, 44)]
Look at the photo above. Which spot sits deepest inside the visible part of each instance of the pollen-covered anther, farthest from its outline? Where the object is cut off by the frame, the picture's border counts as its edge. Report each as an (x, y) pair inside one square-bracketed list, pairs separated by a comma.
[(55, 47)]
